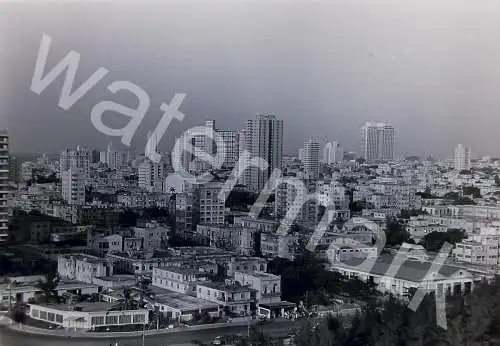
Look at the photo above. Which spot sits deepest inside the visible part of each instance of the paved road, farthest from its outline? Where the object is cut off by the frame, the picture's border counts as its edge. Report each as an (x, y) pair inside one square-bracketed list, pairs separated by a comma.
[(14, 338)]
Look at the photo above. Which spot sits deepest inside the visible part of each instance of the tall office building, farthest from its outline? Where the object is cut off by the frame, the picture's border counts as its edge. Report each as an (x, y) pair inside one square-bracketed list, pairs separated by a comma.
[(151, 175), (264, 139), (301, 154), (377, 142), (13, 169), (78, 158), (311, 160), (332, 152), (462, 158), (73, 186), (228, 139), (4, 185)]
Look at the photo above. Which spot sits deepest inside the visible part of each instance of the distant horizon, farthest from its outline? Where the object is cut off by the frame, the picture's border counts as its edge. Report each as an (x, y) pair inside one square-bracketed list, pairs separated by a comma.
[(430, 69)]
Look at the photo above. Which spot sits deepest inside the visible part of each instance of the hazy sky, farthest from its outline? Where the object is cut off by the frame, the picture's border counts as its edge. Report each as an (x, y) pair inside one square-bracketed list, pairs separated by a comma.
[(428, 67)]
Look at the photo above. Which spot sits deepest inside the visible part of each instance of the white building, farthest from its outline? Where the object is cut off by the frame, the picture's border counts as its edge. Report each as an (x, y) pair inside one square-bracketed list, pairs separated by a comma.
[(87, 315), (301, 154), (332, 153), (78, 158), (178, 279), (462, 158), (482, 248), (234, 298), (84, 268), (268, 286), (4, 185), (264, 139), (345, 249), (73, 186), (311, 159), (410, 274), (377, 142)]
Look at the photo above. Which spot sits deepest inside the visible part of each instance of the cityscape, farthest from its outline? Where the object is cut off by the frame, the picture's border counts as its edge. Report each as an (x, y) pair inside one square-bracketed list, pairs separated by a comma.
[(231, 233)]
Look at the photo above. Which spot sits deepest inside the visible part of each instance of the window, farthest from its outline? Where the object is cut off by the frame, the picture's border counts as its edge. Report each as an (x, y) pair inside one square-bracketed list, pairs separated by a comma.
[(59, 318), (43, 315), (51, 316), (35, 313), (97, 320), (139, 318), (125, 319), (111, 319)]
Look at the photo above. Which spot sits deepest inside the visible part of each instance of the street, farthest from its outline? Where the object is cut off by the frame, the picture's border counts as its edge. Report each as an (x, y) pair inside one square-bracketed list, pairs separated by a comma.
[(14, 338)]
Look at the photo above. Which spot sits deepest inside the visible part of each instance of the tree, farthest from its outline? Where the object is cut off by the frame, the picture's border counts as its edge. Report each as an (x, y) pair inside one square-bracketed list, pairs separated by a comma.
[(471, 190), (145, 292), (497, 180), (18, 314), (126, 301), (48, 286), (434, 241), (408, 213), (395, 233), (463, 201)]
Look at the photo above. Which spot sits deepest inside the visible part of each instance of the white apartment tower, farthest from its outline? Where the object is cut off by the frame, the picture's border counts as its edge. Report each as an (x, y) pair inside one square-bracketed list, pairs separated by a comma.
[(462, 158), (377, 142), (73, 186), (4, 185), (311, 160), (332, 152), (264, 139)]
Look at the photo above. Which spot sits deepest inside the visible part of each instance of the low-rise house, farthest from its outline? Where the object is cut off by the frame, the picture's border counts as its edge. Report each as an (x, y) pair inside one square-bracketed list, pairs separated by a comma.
[(268, 286), (178, 279), (274, 245), (84, 268), (233, 297), (245, 263)]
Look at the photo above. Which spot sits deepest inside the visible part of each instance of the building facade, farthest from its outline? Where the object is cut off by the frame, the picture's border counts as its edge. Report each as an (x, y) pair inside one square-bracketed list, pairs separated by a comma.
[(4, 185), (311, 160), (377, 142), (461, 158), (264, 139)]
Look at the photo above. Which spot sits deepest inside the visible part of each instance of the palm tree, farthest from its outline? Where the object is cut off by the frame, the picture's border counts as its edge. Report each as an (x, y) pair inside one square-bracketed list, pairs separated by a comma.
[(144, 288), (126, 300), (48, 287)]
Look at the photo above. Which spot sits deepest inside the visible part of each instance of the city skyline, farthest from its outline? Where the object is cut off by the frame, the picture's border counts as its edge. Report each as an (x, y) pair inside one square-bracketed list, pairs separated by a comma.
[(434, 83)]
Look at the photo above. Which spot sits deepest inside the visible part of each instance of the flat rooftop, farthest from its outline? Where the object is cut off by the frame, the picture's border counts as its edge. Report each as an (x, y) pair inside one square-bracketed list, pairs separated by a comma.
[(223, 287), (179, 300), (261, 275), (410, 269), (181, 270), (85, 306), (118, 278)]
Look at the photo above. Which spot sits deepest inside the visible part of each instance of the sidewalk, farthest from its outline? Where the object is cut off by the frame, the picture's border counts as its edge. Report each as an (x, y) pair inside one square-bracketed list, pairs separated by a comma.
[(8, 323)]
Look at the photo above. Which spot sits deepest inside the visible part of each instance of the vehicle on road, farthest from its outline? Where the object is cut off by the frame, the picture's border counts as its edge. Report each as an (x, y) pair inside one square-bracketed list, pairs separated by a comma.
[(217, 341)]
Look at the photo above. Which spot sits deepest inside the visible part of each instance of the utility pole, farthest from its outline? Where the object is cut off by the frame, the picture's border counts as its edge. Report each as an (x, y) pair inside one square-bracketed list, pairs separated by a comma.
[(10, 296), (248, 326), (144, 331)]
